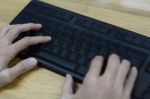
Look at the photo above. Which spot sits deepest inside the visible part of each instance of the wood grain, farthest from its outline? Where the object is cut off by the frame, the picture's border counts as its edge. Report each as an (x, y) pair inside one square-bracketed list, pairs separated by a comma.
[(40, 83)]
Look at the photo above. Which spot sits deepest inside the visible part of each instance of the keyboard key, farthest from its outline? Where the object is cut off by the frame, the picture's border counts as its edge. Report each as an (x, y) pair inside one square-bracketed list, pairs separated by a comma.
[(82, 70), (58, 42), (123, 51), (75, 48), (105, 30), (104, 50), (130, 38), (83, 52), (74, 57), (136, 62), (147, 94), (137, 54), (66, 54), (148, 68), (67, 45), (89, 24), (56, 13), (146, 44), (97, 28), (104, 42), (119, 35), (91, 55), (138, 41), (137, 93), (62, 15), (113, 46), (82, 61), (80, 22), (57, 50)]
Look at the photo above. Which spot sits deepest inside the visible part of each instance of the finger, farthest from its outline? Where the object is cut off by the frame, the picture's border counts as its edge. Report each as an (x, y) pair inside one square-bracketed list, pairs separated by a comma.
[(112, 66), (96, 66), (130, 82), (122, 72), (11, 73), (15, 31), (67, 88), (5, 29), (26, 42)]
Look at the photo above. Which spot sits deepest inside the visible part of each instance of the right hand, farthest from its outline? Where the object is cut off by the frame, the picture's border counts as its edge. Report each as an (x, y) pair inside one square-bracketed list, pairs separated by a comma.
[(116, 83)]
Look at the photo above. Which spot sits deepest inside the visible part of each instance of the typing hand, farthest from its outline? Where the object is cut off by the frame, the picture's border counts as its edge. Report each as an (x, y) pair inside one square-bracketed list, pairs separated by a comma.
[(116, 83), (9, 50)]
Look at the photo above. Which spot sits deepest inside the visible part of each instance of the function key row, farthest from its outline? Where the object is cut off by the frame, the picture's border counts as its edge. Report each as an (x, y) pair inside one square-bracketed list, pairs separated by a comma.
[(50, 12), (109, 30)]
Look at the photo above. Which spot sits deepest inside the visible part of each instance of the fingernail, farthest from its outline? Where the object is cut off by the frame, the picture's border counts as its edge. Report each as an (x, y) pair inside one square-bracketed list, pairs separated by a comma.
[(40, 25), (98, 57), (134, 69), (48, 38), (32, 62)]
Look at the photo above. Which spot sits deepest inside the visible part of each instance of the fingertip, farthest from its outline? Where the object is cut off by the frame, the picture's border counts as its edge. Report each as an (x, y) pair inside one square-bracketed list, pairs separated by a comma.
[(134, 68), (114, 56), (44, 38), (22, 67), (48, 38), (32, 61), (39, 25), (67, 88), (134, 71), (98, 57)]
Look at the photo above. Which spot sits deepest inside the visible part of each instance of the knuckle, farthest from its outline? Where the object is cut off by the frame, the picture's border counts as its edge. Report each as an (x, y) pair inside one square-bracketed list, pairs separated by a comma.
[(15, 29), (5, 52), (5, 41), (107, 81), (117, 91)]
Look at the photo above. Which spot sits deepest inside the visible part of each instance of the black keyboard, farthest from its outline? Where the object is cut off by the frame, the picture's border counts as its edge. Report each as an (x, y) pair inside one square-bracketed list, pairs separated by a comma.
[(76, 39)]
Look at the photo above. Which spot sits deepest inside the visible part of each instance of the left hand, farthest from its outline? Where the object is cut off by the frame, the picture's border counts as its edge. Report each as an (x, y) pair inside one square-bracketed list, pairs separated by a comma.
[(9, 50)]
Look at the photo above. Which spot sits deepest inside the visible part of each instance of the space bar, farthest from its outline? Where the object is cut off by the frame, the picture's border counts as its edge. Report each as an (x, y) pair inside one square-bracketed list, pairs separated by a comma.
[(56, 60)]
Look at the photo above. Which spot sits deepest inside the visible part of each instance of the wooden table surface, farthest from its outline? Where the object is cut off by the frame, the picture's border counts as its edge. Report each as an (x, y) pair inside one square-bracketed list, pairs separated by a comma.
[(40, 83)]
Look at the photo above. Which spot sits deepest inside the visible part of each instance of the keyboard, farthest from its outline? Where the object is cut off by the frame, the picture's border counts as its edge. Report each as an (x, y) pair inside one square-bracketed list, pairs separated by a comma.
[(77, 39)]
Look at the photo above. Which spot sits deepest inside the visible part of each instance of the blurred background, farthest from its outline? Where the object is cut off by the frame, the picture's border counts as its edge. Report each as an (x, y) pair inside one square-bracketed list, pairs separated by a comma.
[(141, 7)]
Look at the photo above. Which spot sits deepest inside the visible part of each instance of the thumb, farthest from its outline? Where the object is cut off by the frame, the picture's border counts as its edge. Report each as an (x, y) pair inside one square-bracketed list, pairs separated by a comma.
[(67, 87), (23, 66)]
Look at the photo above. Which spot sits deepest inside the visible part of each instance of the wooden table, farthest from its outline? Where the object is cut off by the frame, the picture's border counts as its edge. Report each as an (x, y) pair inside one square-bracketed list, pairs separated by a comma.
[(43, 84)]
